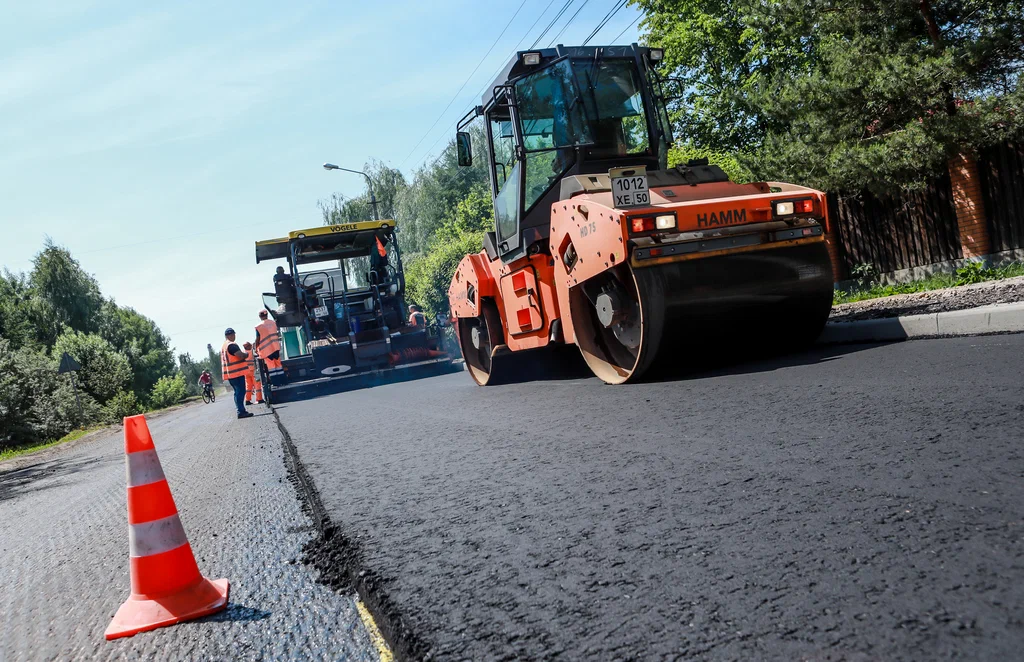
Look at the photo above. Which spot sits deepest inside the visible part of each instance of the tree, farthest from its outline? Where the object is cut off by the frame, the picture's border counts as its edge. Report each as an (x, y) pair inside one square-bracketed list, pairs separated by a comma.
[(16, 310), (64, 295), (139, 338), (843, 94)]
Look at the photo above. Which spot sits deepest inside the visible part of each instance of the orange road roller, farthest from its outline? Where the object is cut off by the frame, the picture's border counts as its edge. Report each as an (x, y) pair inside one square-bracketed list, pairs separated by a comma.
[(598, 243)]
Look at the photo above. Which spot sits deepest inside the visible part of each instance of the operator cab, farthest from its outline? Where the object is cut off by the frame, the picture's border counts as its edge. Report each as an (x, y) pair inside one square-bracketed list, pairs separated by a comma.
[(558, 112)]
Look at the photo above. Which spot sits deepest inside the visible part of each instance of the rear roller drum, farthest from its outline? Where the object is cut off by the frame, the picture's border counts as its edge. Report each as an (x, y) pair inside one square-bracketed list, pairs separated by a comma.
[(619, 318)]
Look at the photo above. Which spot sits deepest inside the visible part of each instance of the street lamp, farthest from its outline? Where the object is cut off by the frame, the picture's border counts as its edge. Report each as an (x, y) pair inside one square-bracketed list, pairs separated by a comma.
[(369, 183)]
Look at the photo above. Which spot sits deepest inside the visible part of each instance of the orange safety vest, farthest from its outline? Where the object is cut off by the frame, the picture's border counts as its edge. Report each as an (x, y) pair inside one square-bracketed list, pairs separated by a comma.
[(231, 366), (270, 339)]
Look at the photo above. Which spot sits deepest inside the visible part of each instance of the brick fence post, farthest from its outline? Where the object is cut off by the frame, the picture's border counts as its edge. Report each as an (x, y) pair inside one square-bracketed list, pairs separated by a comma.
[(833, 244), (969, 205)]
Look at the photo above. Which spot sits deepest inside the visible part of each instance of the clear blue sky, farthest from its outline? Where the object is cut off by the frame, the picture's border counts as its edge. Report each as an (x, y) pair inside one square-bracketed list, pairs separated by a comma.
[(159, 141)]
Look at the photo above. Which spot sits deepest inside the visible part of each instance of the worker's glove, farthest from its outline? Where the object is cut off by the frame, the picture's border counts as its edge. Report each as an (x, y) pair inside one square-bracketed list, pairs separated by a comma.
[(247, 345)]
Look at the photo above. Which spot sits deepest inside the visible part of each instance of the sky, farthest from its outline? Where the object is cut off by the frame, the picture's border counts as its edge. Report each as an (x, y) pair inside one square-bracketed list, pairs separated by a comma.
[(159, 141)]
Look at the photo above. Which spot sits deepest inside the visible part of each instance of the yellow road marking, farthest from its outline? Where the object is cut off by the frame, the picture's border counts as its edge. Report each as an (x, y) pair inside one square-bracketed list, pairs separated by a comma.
[(375, 636)]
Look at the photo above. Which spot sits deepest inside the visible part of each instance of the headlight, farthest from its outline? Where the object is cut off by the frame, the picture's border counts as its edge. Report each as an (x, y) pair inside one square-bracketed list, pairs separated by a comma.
[(784, 209), (531, 59)]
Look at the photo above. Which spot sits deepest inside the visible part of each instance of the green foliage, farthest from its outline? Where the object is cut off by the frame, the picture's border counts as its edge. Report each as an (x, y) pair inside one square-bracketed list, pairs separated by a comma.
[(63, 294), (842, 95), (972, 272), (105, 371), (35, 402), (137, 337), (428, 278), (168, 391), (730, 163), (121, 405)]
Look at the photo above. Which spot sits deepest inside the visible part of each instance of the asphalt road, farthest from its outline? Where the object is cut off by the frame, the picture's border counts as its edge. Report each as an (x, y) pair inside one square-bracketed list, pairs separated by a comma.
[(64, 549), (849, 503)]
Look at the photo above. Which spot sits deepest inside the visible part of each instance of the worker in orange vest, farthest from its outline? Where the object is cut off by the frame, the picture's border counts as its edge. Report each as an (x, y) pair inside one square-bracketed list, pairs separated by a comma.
[(416, 316), (250, 377), (268, 344), (233, 360)]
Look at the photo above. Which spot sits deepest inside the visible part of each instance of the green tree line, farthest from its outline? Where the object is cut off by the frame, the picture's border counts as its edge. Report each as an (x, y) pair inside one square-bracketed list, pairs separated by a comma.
[(842, 95), (127, 364)]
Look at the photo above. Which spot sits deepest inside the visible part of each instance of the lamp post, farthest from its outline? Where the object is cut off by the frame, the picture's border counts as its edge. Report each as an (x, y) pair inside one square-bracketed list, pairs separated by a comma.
[(369, 183)]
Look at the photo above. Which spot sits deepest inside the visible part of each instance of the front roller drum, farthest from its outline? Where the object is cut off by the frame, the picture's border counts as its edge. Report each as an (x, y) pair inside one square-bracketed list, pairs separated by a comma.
[(481, 340), (619, 319)]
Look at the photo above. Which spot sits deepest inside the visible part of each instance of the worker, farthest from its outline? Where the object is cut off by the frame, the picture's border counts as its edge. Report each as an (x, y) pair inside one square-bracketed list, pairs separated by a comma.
[(282, 277), (268, 344), (416, 316), (250, 377), (232, 369)]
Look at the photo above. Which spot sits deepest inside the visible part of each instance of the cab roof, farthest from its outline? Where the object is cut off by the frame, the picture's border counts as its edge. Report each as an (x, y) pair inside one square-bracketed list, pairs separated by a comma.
[(515, 68), (324, 240)]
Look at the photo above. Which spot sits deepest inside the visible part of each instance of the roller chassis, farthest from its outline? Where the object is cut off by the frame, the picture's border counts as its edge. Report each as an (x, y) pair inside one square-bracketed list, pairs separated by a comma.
[(581, 283)]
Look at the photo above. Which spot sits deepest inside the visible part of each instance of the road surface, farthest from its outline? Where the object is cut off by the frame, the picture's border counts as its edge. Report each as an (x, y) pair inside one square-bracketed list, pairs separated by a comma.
[(64, 549), (849, 503)]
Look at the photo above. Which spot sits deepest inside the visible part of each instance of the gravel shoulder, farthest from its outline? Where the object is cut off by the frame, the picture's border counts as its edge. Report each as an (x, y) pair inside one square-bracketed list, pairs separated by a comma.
[(64, 549), (1010, 290), (854, 503)]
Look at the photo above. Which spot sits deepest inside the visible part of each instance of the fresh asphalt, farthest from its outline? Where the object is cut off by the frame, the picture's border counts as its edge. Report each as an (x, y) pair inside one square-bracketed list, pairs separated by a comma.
[(847, 503), (64, 549)]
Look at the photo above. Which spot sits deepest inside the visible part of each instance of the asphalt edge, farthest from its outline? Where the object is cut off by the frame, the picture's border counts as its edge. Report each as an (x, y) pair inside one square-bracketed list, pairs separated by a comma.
[(984, 320), (339, 560)]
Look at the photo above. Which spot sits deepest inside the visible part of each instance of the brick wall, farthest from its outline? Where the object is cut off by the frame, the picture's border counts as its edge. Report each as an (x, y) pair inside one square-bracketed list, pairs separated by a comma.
[(970, 206)]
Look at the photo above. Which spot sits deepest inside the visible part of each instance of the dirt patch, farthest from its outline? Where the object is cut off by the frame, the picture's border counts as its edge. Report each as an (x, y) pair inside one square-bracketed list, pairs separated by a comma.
[(1010, 290), (339, 561)]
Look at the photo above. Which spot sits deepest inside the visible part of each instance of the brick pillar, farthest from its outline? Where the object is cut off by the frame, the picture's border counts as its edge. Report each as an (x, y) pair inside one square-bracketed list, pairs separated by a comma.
[(969, 205), (832, 243), (834, 256)]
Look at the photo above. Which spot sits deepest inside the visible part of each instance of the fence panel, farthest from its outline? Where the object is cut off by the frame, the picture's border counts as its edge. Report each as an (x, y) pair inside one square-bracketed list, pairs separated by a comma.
[(897, 231), (1002, 183)]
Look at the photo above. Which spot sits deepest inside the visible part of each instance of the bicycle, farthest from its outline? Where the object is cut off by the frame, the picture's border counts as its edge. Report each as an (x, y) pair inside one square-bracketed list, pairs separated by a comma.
[(208, 394)]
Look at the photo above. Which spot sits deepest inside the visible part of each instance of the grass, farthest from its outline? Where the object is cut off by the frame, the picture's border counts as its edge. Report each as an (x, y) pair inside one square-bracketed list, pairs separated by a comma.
[(967, 275), (32, 447), (8, 453)]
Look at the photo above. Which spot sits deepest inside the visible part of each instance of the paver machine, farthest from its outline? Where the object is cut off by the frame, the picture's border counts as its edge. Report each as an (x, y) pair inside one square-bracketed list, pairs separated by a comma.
[(599, 243), (340, 309)]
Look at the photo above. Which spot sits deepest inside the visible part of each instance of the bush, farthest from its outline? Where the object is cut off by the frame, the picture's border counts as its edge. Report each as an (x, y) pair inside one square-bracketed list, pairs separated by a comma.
[(105, 371), (428, 278), (168, 391), (121, 405), (36, 403)]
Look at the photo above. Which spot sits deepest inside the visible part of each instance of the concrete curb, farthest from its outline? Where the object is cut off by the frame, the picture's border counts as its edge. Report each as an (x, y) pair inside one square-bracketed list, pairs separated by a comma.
[(997, 318)]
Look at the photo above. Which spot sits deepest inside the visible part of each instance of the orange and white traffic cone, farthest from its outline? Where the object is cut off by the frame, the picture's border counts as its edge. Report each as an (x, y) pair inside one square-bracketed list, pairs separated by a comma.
[(167, 587)]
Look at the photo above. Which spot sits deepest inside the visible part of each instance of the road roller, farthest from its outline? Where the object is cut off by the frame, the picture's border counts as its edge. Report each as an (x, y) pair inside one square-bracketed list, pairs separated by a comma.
[(598, 243)]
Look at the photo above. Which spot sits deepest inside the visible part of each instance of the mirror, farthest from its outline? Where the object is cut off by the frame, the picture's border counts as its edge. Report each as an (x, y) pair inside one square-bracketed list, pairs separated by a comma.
[(464, 146)]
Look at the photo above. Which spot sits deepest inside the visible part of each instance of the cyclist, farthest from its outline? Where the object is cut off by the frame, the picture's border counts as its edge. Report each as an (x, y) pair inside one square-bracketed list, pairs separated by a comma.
[(206, 381)]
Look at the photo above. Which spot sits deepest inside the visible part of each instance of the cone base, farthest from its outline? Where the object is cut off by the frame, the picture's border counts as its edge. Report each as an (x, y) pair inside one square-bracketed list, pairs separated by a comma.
[(140, 613)]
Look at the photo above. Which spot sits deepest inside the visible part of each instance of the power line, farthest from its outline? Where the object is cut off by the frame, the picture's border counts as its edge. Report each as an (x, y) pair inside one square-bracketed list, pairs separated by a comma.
[(604, 21), (568, 23), (463, 86), (552, 23), (626, 29)]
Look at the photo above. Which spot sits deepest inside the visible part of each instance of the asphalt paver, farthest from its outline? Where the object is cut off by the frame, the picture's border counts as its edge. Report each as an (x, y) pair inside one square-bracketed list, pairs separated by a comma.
[(862, 502), (64, 549)]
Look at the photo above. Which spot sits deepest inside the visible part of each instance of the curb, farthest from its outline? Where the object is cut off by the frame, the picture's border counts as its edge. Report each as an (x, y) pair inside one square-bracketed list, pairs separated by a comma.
[(996, 318)]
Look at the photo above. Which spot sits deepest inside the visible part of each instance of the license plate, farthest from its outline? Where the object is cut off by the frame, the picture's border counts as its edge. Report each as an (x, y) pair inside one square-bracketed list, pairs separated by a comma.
[(320, 311), (629, 187)]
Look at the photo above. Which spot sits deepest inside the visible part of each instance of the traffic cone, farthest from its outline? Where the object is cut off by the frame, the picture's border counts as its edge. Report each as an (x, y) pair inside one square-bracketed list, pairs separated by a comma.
[(167, 587)]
